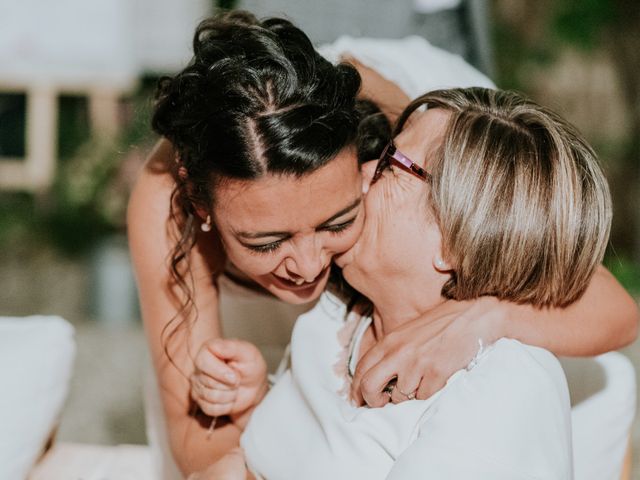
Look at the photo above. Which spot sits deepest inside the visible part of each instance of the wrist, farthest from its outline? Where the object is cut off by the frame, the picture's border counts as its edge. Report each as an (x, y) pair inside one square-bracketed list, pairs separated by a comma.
[(240, 419), (495, 320)]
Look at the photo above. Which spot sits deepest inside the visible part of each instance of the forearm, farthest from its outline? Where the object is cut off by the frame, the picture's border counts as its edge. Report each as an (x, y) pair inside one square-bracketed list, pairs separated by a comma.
[(195, 447), (605, 318), (388, 96)]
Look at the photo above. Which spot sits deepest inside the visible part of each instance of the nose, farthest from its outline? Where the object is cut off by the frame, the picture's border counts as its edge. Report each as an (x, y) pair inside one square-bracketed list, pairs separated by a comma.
[(308, 259)]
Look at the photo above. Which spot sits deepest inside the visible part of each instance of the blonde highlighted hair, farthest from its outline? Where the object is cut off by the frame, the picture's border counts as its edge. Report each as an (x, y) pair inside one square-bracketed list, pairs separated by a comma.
[(522, 204)]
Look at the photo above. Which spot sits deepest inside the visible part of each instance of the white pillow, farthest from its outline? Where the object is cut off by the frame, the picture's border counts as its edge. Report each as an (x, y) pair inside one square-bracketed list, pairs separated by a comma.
[(36, 362)]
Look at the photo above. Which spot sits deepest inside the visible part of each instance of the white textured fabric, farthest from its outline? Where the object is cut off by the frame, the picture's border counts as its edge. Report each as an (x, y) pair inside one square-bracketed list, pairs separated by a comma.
[(77, 461), (603, 394), (412, 63), (36, 359), (507, 418), (431, 6)]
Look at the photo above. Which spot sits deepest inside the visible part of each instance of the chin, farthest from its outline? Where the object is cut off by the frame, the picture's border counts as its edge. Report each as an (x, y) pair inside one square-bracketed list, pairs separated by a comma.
[(355, 277)]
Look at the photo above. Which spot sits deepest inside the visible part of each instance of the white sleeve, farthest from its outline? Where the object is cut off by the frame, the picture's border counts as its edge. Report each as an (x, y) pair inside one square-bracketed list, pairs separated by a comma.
[(508, 418), (412, 63)]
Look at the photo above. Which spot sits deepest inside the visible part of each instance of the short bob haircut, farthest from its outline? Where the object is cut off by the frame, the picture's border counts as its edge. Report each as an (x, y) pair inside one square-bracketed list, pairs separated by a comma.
[(523, 206)]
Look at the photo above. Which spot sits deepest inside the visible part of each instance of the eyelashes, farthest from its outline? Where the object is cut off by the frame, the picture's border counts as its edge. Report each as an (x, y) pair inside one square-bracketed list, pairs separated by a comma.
[(273, 246), (340, 227), (266, 248)]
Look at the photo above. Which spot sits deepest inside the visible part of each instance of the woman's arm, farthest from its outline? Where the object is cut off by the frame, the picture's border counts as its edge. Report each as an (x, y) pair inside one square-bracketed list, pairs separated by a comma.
[(151, 238), (433, 347), (230, 467), (388, 96), (605, 318)]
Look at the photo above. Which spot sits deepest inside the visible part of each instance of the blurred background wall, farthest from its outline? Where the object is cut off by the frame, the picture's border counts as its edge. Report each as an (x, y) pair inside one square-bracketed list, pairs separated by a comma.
[(76, 86)]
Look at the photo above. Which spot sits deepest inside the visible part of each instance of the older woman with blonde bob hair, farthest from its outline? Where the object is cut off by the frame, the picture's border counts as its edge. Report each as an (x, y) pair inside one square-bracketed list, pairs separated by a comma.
[(521, 202), (482, 192)]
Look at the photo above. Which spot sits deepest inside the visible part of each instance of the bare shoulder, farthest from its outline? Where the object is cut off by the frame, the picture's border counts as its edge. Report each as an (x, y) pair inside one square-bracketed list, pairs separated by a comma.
[(152, 192)]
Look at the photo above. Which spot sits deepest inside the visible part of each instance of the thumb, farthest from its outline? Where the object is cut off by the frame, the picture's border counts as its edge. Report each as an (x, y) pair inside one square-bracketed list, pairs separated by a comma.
[(233, 351), (224, 348)]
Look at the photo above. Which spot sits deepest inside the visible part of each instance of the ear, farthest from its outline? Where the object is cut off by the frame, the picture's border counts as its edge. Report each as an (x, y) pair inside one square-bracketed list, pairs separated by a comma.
[(441, 265), (201, 212)]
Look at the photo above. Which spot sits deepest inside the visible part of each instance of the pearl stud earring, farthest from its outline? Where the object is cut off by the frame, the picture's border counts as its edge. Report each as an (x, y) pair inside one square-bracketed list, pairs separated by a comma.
[(206, 225)]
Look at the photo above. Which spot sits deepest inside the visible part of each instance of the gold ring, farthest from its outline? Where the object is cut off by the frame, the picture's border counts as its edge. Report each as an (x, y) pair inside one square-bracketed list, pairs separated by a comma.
[(410, 396)]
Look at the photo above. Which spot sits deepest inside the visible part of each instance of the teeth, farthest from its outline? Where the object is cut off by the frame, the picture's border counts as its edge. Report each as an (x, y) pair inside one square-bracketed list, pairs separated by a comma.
[(300, 281)]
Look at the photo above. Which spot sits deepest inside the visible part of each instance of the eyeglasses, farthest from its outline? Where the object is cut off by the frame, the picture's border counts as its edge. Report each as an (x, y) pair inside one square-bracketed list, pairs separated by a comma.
[(392, 155)]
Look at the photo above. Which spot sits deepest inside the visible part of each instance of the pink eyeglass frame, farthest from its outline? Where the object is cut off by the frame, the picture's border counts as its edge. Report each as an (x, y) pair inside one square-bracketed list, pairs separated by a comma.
[(390, 155)]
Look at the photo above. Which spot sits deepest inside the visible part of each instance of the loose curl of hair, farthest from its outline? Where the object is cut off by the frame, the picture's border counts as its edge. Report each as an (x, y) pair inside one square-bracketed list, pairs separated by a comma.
[(255, 99)]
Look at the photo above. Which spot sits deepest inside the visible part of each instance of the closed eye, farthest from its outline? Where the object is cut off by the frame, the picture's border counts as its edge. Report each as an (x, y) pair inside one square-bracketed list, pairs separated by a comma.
[(273, 246), (341, 227), (266, 248)]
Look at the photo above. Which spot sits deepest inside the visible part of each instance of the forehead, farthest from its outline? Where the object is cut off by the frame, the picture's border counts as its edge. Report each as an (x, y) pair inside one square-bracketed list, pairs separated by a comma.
[(287, 202), (423, 134)]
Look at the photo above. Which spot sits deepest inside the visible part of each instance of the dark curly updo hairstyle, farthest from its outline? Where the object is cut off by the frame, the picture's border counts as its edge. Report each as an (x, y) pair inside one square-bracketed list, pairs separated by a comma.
[(255, 99)]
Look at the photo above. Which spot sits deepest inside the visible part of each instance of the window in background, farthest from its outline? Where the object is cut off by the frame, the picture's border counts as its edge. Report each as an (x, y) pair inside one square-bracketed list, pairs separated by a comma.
[(13, 113)]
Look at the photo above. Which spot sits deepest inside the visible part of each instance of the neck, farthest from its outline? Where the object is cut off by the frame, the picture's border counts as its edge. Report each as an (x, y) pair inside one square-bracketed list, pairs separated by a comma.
[(405, 299)]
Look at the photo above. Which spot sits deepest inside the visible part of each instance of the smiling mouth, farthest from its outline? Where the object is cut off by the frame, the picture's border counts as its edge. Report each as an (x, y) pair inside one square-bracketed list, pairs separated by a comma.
[(300, 284)]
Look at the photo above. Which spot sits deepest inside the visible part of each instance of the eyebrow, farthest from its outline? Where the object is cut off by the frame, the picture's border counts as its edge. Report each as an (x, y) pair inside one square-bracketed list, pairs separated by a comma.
[(344, 211)]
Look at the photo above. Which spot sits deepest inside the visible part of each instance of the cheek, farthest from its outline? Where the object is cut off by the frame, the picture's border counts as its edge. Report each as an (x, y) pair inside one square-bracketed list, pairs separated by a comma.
[(385, 244), (341, 243), (253, 265)]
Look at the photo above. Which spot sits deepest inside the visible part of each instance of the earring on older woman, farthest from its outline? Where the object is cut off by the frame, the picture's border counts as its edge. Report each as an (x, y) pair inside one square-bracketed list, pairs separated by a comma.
[(206, 225), (440, 264)]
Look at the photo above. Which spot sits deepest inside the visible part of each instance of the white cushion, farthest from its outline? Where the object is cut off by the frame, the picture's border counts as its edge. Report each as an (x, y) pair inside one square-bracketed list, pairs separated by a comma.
[(36, 361)]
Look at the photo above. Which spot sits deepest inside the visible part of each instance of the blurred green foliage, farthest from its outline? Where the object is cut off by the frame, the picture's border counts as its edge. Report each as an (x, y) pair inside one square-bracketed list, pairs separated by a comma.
[(88, 198), (224, 4), (582, 23), (626, 271), (73, 121)]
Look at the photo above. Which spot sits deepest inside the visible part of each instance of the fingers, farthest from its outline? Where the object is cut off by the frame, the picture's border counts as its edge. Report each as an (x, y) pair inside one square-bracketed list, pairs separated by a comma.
[(214, 409), (233, 350), (432, 381), (207, 362), (214, 400), (368, 360), (242, 360), (377, 367), (406, 387), (379, 387), (373, 387)]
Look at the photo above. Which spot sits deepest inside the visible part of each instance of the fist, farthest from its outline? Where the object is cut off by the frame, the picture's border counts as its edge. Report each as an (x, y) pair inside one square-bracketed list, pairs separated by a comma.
[(230, 377)]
